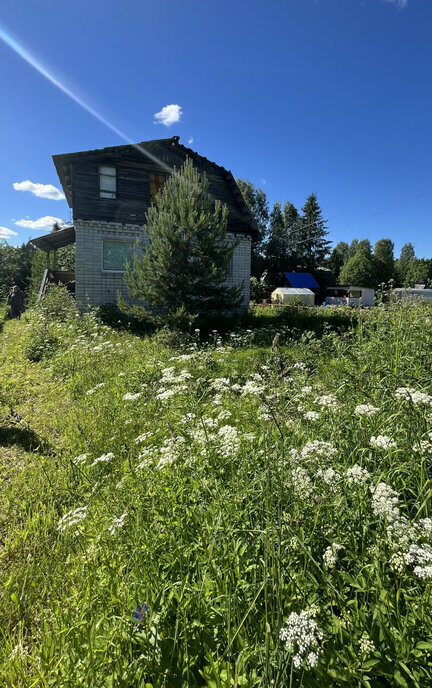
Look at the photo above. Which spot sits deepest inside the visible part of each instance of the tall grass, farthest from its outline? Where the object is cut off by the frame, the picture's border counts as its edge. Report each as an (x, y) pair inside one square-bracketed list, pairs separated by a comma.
[(190, 501)]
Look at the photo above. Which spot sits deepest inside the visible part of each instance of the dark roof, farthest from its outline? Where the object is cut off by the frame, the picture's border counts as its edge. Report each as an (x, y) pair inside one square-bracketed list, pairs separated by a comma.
[(55, 240), (222, 184), (302, 279)]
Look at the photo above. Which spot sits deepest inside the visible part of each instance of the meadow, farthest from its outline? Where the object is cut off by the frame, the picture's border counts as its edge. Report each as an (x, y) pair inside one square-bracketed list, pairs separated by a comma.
[(248, 509)]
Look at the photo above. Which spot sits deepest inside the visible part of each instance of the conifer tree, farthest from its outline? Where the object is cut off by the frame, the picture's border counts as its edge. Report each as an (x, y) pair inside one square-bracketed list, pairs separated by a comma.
[(312, 243), (384, 260), (185, 267), (276, 247)]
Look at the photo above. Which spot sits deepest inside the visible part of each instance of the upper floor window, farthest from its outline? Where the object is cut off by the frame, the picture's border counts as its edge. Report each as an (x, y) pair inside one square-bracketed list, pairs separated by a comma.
[(156, 184), (107, 182)]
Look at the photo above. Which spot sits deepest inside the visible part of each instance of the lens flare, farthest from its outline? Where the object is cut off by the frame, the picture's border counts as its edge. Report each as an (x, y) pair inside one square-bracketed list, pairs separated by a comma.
[(25, 54)]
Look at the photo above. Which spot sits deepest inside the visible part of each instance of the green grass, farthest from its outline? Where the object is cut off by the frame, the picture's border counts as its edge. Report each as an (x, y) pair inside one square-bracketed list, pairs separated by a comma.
[(223, 522)]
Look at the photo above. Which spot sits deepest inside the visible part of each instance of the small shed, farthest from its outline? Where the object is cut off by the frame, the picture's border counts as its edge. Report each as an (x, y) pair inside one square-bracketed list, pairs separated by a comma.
[(350, 296), (286, 295)]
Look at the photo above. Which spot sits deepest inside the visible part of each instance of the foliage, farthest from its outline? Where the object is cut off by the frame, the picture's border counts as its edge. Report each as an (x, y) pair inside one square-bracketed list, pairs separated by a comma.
[(15, 262), (257, 202), (383, 258), (258, 289), (338, 257), (359, 270), (407, 254), (418, 271), (313, 245), (184, 267), (166, 511)]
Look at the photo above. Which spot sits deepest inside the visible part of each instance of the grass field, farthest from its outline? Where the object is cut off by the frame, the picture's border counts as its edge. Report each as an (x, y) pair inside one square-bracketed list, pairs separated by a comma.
[(250, 511)]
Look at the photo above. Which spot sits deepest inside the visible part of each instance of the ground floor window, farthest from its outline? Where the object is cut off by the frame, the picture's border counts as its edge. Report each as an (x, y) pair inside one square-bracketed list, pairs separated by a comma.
[(115, 254)]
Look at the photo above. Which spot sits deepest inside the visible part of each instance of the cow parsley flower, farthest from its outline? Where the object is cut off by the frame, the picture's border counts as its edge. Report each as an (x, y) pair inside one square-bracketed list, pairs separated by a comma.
[(366, 645), (329, 476), (366, 410), (311, 415), (356, 475), (143, 437), (302, 635), (382, 442), (229, 441), (414, 396), (330, 556), (327, 401), (72, 518), (79, 459), (117, 522), (301, 482), (131, 397), (422, 556), (385, 502), (105, 458)]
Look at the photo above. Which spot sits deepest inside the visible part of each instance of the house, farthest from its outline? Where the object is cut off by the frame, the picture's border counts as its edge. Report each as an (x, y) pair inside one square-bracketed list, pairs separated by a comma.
[(350, 296), (287, 295), (109, 191)]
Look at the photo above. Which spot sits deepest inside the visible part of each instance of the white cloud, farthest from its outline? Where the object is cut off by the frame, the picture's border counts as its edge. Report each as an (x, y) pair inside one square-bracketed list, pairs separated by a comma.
[(40, 190), (6, 233), (44, 223), (190, 140), (168, 115), (399, 3)]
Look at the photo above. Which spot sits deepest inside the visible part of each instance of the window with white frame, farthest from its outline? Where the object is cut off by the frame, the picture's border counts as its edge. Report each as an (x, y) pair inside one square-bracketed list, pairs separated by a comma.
[(230, 267), (107, 182), (115, 255)]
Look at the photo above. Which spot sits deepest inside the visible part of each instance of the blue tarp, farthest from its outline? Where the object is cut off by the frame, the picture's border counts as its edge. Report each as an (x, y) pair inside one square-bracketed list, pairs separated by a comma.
[(302, 279)]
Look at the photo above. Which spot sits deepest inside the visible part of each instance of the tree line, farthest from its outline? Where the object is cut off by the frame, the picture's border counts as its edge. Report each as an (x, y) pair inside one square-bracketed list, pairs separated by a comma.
[(292, 240)]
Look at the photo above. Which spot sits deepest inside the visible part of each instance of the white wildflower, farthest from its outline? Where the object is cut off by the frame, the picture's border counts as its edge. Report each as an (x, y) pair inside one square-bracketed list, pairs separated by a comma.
[(79, 459), (105, 458), (163, 394), (302, 635), (385, 502), (302, 483), (426, 525), (131, 397), (305, 391), (327, 401), (311, 415), (143, 437), (414, 396), (366, 645), (221, 384), (72, 518), (366, 410), (356, 475), (382, 442), (117, 522), (229, 441), (224, 415), (329, 476), (330, 556), (421, 555)]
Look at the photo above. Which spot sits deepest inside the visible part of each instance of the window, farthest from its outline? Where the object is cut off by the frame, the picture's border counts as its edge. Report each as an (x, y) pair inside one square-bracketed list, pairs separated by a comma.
[(107, 182), (355, 294), (116, 254), (156, 184)]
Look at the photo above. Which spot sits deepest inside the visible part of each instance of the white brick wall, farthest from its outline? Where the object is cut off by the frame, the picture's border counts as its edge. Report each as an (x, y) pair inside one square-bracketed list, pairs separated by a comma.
[(95, 287)]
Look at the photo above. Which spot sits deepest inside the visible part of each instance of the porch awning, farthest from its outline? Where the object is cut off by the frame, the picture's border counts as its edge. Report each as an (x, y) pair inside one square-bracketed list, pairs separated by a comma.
[(55, 240)]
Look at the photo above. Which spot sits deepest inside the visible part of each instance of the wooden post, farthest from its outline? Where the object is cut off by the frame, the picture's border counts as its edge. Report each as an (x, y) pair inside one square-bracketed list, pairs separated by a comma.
[(48, 260), (55, 260)]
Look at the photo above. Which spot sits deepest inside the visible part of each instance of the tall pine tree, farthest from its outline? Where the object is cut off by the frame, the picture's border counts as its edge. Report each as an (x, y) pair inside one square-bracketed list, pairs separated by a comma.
[(312, 243), (185, 266)]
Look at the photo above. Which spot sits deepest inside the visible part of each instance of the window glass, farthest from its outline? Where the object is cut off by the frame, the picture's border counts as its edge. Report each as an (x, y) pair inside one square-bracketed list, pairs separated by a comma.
[(156, 184), (355, 294), (107, 182), (230, 267), (116, 254)]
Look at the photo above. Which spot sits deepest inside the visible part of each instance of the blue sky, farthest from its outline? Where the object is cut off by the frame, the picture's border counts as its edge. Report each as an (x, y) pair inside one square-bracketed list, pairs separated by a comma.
[(299, 96)]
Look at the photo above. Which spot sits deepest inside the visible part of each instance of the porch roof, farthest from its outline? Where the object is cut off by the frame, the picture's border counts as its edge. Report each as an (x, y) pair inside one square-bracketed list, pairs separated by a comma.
[(55, 240)]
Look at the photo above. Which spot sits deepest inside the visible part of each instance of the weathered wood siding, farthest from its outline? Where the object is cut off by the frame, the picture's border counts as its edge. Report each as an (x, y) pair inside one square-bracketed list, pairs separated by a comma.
[(133, 186)]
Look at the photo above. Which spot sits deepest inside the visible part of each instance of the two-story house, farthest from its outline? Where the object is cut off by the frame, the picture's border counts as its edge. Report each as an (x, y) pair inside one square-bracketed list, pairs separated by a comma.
[(109, 191)]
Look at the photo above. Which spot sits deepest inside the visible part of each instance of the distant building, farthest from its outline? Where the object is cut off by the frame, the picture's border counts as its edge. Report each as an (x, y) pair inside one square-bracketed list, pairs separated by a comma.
[(418, 293), (286, 295), (350, 296)]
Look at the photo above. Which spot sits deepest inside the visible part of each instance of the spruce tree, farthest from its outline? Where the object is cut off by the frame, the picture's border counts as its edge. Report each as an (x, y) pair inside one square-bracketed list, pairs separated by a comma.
[(312, 243), (185, 267), (276, 247)]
